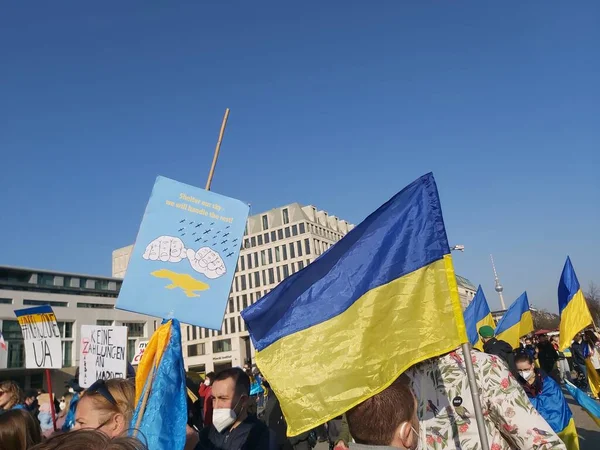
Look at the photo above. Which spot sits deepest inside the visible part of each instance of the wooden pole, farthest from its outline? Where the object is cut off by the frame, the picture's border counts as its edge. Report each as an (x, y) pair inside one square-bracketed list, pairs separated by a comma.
[(150, 381), (217, 149), (49, 383)]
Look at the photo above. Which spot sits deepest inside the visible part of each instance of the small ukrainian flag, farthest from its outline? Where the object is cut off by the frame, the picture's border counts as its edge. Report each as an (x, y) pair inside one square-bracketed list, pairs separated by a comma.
[(379, 301), (478, 314), (517, 321), (574, 312)]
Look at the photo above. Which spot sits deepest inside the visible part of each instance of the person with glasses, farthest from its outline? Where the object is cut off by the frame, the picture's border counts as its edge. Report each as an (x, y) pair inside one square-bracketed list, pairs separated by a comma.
[(11, 396), (106, 406)]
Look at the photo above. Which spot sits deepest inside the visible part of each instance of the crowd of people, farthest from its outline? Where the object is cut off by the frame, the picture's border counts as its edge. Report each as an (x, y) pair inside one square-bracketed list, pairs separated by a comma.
[(429, 406)]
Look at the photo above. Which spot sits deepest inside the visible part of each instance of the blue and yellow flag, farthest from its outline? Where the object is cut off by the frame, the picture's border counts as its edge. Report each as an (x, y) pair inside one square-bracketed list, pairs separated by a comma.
[(517, 321), (574, 312), (164, 418), (478, 314), (591, 406), (345, 327), (553, 407)]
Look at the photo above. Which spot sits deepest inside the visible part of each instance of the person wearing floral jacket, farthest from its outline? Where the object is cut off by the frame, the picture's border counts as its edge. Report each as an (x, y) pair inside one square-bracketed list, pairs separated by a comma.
[(445, 407)]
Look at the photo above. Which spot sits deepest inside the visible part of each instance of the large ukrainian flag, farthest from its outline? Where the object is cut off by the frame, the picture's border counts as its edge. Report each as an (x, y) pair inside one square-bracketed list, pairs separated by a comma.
[(345, 327), (574, 312), (517, 321), (478, 314)]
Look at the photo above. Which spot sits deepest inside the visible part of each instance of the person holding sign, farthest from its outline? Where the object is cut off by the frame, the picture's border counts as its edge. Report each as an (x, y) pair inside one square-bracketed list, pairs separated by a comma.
[(106, 406)]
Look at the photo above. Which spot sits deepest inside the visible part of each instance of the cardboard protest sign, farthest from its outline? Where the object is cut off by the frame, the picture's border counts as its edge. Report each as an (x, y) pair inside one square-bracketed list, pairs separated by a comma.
[(103, 354), (139, 353), (43, 347), (185, 255)]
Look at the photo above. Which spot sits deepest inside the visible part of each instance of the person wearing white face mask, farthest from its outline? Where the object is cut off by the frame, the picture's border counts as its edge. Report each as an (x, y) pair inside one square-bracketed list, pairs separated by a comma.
[(232, 427), (547, 398), (387, 420)]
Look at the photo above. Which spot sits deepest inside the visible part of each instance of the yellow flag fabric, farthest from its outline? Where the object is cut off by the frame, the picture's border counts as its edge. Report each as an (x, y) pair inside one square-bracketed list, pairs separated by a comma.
[(379, 301), (569, 436), (152, 355), (487, 320), (517, 321), (593, 378)]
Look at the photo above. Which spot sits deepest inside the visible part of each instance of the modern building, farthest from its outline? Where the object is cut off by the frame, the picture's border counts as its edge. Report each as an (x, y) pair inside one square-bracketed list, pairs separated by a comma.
[(76, 300), (277, 244)]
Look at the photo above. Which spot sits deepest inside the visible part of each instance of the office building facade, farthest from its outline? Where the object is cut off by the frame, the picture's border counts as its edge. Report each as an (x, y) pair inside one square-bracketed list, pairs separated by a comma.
[(76, 300)]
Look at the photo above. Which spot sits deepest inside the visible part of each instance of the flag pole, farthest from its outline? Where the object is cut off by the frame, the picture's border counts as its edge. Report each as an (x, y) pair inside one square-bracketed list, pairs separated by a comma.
[(466, 348), (152, 370), (52, 410), (217, 150)]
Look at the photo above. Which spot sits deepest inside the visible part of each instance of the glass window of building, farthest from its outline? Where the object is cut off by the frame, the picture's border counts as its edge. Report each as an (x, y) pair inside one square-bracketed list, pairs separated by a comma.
[(249, 260), (187, 329), (264, 277), (256, 279), (250, 280), (263, 257), (271, 276), (224, 345), (104, 323), (237, 300), (245, 301), (280, 234), (267, 240), (255, 259), (253, 241), (265, 222), (46, 302), (66, 329), (67, 351), (239, 321), (232, 324), (259, 238), (226, 325), (230, 305), (196, 349), (134, 329), (284, 250), (302, 228), (45, 279), (194, 333), (292, 250), (286, 271), (236, 284), (307, 246), (246, 243), (243, 262), (278, 275), (287, 232), (299, 247), (251, 298), (294, 230), (270, 254), (286, 216), (206, 333), (300, 265), (277, 255)]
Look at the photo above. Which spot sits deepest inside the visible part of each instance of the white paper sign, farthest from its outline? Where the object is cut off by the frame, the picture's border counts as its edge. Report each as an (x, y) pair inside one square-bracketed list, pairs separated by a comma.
[(140, 352), (103, 354), (43, 347)]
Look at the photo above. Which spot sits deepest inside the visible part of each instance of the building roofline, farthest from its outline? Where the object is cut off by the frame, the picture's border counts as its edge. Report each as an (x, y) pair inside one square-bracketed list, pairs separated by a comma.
[(60, 273)]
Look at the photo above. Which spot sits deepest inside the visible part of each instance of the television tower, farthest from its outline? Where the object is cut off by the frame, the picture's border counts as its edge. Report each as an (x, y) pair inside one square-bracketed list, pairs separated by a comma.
[(498, 287)]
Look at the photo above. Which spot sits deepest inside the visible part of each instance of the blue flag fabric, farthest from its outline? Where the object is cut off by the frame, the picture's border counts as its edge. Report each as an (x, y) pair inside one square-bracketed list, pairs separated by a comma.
[(476, 315), (591, 406), (164, 420)]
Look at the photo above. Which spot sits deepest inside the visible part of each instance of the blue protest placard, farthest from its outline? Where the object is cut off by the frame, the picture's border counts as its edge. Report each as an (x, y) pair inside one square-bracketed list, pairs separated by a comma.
[(185, 255)]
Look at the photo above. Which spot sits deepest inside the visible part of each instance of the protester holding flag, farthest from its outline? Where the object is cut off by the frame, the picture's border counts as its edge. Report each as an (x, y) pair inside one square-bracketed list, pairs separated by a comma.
[(446, 409), (493, 346), (547, 398), (106, 406)]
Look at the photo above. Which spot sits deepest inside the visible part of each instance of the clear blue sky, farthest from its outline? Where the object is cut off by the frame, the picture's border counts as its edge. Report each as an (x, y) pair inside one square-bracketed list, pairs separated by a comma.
[(338, 104)]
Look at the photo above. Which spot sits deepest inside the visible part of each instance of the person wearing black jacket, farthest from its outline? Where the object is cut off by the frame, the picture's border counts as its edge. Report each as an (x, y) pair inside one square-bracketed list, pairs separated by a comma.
[(502, 349), (232, 427)]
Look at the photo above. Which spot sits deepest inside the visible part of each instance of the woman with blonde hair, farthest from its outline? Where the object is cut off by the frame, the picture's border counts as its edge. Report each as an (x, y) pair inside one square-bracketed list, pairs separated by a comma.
[(11, 396), (106, 406)]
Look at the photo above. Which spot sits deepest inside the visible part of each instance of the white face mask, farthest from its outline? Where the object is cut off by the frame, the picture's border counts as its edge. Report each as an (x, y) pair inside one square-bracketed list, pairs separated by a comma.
[(71, 390), (224, 417), (207, 382), (526, 374), (62, 406)]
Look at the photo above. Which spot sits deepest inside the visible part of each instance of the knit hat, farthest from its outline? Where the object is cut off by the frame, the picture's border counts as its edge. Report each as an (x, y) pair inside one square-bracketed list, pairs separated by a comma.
[(486, 331)]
